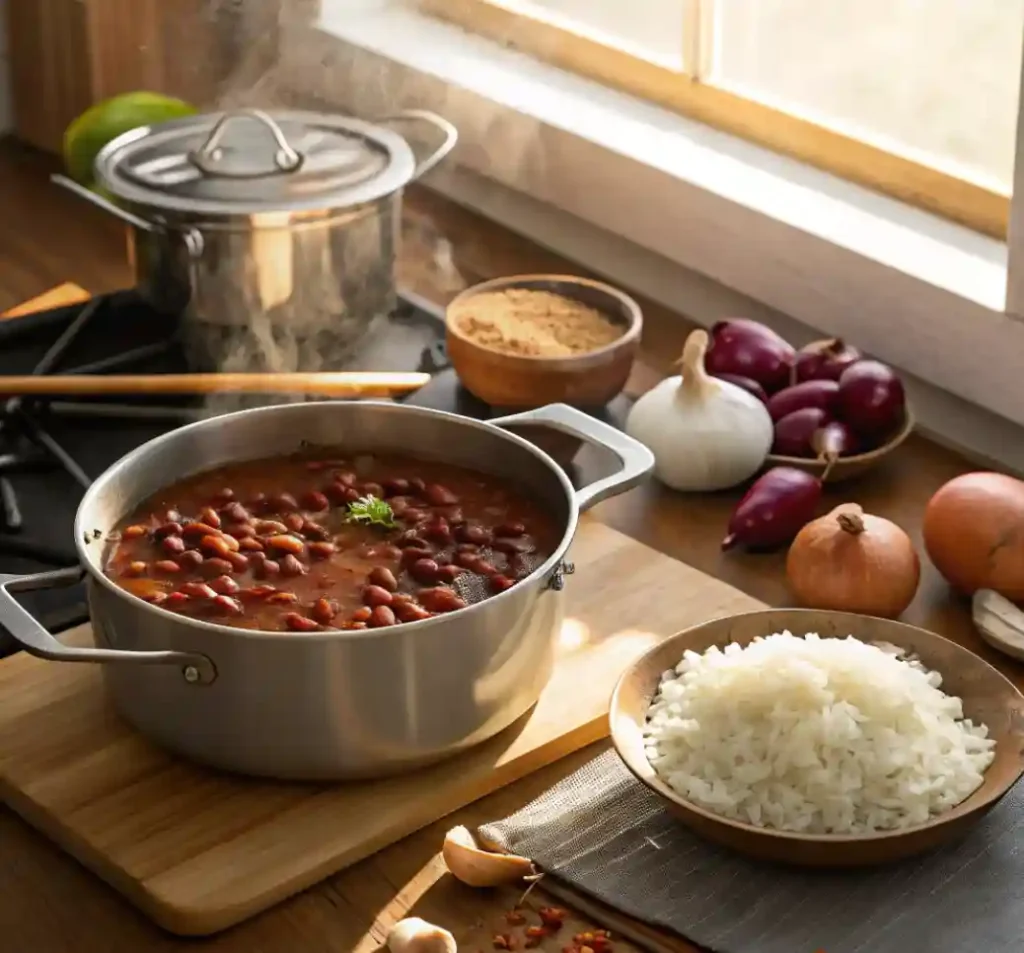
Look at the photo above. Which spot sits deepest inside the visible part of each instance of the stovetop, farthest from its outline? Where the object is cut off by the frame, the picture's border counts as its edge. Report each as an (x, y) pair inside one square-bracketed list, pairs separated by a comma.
[(50, 450)]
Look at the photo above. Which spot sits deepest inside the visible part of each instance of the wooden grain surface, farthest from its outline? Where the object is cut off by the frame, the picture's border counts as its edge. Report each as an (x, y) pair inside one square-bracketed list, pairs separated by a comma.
[(199, 851), (50, 904)]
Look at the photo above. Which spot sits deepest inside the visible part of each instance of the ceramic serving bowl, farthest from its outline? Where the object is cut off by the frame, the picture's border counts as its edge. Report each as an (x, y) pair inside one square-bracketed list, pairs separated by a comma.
[(515, 381), (988, 697)]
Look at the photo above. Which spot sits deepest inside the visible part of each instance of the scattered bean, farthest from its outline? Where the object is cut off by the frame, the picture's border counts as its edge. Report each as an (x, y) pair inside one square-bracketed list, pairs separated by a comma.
[(167, 566), (381, 616), (440, 599), (376, 596), (226, 605), (290, 566), (133, 532), (324, 610), (314, 501), (321, 550), (299, 623), (382, 577), (172, 545)]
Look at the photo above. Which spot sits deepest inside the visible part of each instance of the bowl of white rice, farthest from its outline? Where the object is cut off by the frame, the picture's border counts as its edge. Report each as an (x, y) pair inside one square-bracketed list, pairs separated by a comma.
[(820, 738)]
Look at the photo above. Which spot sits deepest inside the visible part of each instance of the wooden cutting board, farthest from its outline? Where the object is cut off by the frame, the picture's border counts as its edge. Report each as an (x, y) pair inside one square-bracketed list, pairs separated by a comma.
[(199, 851)]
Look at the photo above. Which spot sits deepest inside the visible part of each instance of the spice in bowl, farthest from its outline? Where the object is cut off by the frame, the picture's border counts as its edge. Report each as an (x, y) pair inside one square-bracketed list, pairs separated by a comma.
[(529, 323)]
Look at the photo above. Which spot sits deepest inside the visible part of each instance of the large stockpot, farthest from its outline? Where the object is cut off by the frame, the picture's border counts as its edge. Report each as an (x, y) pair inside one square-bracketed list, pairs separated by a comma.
[(274, 233), (335, 704)]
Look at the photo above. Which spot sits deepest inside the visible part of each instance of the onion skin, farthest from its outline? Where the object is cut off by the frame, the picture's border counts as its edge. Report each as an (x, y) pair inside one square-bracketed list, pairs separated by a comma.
[(974, 533), (773, 510), (748, 349), (794, 433), (850, 561), (751, 387), (821, 394), (825, 360), (871, 398)]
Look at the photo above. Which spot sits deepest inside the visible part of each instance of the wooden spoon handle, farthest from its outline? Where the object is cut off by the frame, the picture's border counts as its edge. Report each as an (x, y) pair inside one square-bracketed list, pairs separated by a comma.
[(324, 384)]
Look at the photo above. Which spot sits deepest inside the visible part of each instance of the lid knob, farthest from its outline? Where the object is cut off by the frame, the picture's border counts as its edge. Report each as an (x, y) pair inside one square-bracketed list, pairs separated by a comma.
[(210, 157)]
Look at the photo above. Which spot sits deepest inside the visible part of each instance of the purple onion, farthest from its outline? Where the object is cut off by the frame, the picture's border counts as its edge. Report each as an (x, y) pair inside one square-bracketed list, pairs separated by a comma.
[(835, 439), (778, 505), (825, 360), (820, 394), (871, 398), (748, 349), (751, 387), (794, 433)]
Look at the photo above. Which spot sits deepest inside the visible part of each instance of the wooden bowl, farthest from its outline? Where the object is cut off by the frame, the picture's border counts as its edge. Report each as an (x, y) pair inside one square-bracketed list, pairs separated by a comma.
[(514, 381), (987, 696), (847, 468)]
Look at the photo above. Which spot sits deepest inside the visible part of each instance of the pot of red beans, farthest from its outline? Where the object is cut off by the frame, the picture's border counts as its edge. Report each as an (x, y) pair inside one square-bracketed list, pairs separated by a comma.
[(328, 590)]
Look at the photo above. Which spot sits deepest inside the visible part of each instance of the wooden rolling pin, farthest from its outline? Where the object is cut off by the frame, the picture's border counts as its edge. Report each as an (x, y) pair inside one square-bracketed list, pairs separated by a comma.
[(322, 384)]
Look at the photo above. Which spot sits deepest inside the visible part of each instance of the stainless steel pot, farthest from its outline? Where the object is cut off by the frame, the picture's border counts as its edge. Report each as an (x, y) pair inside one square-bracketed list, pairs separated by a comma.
[(338, 704), (274, 233)]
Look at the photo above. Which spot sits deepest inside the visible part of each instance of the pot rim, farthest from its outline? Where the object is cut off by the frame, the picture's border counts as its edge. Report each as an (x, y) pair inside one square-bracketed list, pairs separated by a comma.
[(98, 486)]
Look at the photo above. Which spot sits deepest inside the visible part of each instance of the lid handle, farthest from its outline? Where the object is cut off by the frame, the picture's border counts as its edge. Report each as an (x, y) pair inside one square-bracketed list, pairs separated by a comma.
[(209, 156)]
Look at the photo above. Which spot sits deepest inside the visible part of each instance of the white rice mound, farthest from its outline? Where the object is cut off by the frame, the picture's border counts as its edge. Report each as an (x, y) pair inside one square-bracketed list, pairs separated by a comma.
[(819, 736)]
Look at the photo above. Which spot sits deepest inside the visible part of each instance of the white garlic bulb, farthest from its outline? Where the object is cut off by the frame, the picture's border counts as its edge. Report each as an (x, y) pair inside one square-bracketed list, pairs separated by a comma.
[(705, 434)]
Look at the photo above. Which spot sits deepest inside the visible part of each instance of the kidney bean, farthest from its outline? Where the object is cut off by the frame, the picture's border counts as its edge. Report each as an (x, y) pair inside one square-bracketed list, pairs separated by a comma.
[(240, 530), (173, 516), (314, 501), (321, 550), (136, 568), (283, 503), (258, 592), (283, 598), (239, 561), (290, 566), (324, 610), (376, 596), (225, 605), (224, 585), (410, 612), (167, 529), (424, 570), (395, 486), (454, 515), (467, 560), (522, 544), (471, 533), (438, 529), (269, 527), (373, 489), (250, 544), (258, 503), (224, 495), (236, 513), (172, 545), (361, 615), (313, 530), (287, 544), (417, 485), (216, 566), (414, 554), (413, 515), (168, 566), (299, 623), (218, 545), (381, 616), (437, 495), (196, 590), (293, 521), (354, 625), (484, 568), (448, 573), (382, 577), (198, 530), (345, 478), (337, 493), (399, 506), (154, 598), (190, 560), (208, 515), (440, 599), (499, 582), (512, 528), (175, 600), (133, 532)]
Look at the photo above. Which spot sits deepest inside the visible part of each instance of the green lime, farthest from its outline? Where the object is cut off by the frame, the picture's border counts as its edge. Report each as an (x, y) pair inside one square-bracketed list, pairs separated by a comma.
[(105, 121)]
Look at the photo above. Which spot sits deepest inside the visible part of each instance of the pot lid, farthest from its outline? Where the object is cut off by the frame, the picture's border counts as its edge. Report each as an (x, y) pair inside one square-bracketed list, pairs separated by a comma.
[(250, 161)]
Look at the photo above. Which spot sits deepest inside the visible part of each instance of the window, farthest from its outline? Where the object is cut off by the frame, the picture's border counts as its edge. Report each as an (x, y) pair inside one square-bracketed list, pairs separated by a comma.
[(914, 98)]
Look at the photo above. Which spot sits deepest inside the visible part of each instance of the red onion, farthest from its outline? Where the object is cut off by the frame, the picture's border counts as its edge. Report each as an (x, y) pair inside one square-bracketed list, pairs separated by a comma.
[(748, 349), (751, 387), (835, 439), (795, 431), (820, 394), (871, 398), (774, 509), (825, 360)]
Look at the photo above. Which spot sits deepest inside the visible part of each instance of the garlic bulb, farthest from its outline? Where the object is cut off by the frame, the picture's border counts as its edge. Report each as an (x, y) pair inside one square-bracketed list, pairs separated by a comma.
[(705, 434)]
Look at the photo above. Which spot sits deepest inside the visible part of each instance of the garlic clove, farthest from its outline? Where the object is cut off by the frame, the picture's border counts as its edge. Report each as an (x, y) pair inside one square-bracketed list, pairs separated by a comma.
[(477, 867), (414, 935), (999, 622)]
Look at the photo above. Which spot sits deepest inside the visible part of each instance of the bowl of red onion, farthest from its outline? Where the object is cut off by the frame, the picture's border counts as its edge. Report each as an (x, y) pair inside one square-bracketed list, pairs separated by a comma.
[(836, 413)]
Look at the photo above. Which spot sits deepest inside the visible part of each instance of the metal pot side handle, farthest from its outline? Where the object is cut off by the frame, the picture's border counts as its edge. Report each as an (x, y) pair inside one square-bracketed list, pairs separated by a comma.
[(195, 669), (451, 136), (637, 461)]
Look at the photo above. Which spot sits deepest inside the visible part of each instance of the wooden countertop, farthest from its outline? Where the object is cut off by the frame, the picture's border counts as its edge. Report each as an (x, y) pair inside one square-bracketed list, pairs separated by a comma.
[(50, 905)]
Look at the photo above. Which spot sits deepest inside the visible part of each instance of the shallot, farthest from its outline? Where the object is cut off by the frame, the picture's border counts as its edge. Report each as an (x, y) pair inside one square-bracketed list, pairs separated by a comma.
[(825, 360), (774, 509), (794, 433), (749, 349), (871, 398)]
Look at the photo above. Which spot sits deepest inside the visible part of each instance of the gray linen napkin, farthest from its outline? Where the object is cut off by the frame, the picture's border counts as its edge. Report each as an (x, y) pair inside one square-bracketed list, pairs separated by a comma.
[(604, 834)]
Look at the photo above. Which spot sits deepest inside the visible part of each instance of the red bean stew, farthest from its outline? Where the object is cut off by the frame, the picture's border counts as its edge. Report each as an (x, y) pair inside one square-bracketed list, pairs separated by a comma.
[(305, 543)]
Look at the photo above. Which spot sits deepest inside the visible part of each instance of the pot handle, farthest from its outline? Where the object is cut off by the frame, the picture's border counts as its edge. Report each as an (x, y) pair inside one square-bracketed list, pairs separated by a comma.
[(190, 237), (451, 136), (637, 461), (195, 669)]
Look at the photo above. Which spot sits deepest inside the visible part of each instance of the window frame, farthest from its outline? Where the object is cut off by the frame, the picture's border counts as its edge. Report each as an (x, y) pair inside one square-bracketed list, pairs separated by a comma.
[(933, 190)]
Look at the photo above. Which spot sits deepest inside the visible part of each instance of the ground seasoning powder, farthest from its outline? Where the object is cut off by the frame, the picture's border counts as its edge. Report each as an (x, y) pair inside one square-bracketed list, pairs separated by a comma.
[(531, 323)]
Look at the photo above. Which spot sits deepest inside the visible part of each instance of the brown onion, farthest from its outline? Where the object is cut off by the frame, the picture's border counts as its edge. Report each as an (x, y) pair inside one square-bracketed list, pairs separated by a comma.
[(850, 561), (974, 533), (825, 360)]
